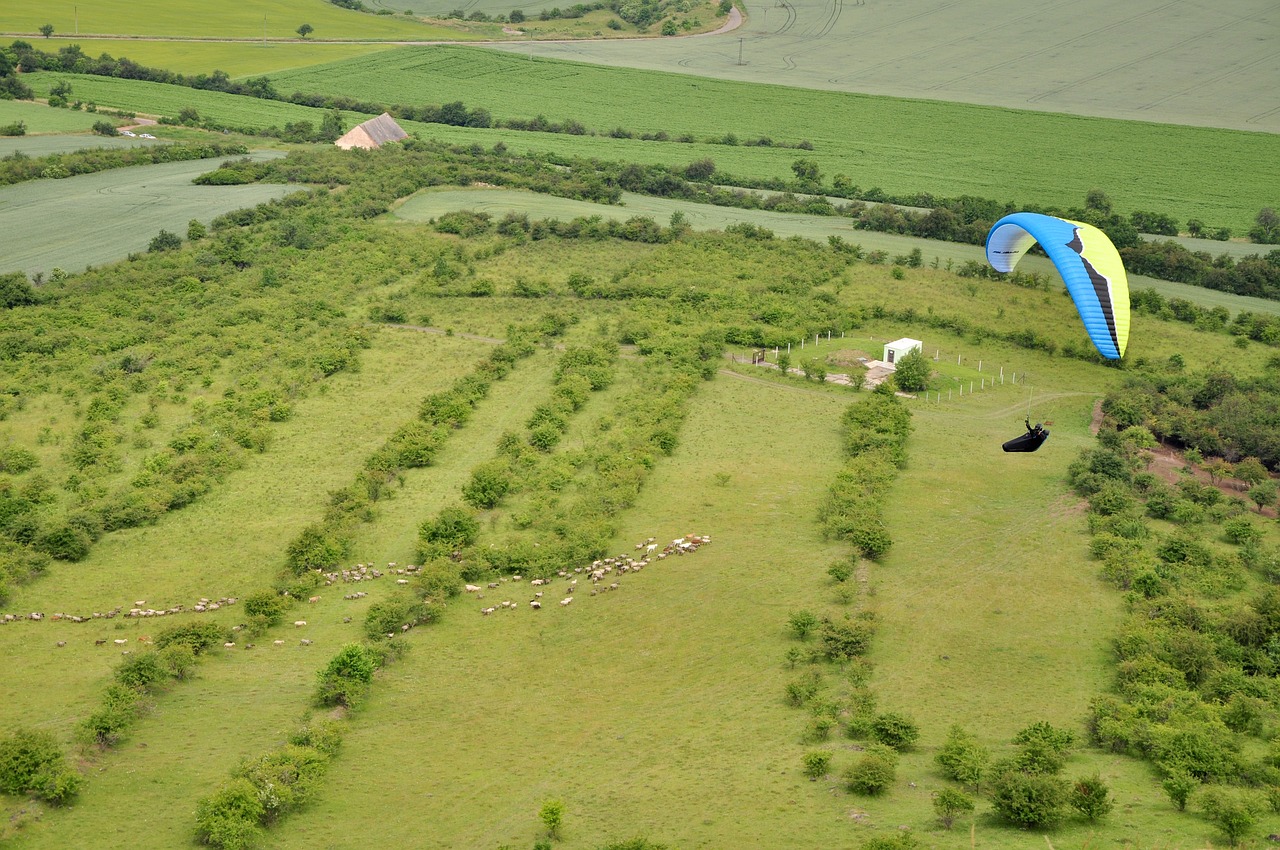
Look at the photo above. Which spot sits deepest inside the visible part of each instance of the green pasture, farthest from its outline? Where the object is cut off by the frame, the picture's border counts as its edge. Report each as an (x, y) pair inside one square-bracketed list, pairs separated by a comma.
[(251, 19), (45, 119), (432, 203), (946, 149), (237, 58), (105, 216)]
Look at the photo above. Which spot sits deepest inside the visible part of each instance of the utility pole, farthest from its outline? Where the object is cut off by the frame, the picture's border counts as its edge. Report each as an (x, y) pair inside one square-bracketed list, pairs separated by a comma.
[(740, 51)]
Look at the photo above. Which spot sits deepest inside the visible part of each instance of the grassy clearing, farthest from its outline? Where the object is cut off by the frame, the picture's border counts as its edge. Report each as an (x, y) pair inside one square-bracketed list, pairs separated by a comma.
[(34, 146), (239, 59), (45, 119), (899, 145), (112, 213), (252, 19)]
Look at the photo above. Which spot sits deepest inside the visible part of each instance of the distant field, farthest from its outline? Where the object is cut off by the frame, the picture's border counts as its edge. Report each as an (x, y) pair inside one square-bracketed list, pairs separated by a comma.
[(1212, 65), (239, 59), (44, 145), (44, 119), (105, 216), (430, 204), (1220, 176), (246, 19)]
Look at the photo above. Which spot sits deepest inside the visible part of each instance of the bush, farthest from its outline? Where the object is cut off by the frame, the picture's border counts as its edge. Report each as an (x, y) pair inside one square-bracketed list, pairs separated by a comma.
[(962, 758), (389, 616), (1091, 797), (802, 623), (816, 763), (1044, 749), (285, 778), (1233, 812), (1030, 800), (27, 759), (231, 818), (949, 804), (142, 671), (895, 730), (847, 639), (347, 677), (322, 735), (165, 241), (198, 636), (1179, 786), (105, 727), (266, 606), (453, 528), (874, 772)]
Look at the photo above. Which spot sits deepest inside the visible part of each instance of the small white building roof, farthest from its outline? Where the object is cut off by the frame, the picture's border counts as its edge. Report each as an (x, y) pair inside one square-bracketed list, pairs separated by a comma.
[(905, 342), (373, 133)]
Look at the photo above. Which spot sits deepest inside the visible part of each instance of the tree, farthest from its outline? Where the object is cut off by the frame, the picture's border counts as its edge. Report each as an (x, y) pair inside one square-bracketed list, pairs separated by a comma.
[(1251, 471), (784, 362), (330, 126), (346, 678), (949, 804), (700, 170), (552, 817), (1098, 200), (806, 171), (46, 30), (1266, 229), (1263, 495), (16, 291), (895, 730), (962, 758), (516, 17), (1217, 468), (802, 623), (816, 763), (874, 772), (815, 369), (305, 30), (105, 128), (165, 241), (1178, 786), (196, 230), (912, 372)]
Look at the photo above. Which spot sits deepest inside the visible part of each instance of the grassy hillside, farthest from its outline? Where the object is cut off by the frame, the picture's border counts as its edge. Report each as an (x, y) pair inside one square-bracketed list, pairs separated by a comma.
[(657, 710), (237, 58), (42, 119)]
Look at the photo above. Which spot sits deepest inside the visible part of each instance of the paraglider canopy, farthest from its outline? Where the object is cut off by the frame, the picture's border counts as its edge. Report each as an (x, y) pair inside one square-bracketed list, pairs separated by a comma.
[(1088, 262), (1030, 441)]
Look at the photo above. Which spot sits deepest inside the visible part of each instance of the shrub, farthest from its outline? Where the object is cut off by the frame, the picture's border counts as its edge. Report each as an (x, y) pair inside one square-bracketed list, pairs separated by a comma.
[(816, 763), (267, 606), (1233, 812), (845, 640), (895, 730), (346, 678), (284, 778), (802, 623), (453, 528), (316, 548), (389, 615), (142, 671), (105, 727), (165, 241), (198, 636), (27, 757), (1179, 786), (962, 758), (1044, 749), (230, 818), (552, 816), (874, 772), (1031, 800), (1091, 797), (949, 804), (322, 735)]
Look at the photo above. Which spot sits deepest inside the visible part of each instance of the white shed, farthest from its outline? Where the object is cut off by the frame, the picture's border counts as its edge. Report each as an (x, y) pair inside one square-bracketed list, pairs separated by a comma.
[(899, 348)]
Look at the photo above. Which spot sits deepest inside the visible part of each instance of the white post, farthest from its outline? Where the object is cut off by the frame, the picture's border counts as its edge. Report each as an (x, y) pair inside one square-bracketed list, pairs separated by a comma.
[(775, 353), (802, 343), (979, 365), (828, 336), (971, 388), (788, 349), (842, 334), (957, 359), (948, 394), (936, 352)]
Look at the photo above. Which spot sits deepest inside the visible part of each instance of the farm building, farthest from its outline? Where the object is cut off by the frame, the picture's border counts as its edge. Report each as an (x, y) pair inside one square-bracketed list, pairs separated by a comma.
[(899, 348), (373, 133)]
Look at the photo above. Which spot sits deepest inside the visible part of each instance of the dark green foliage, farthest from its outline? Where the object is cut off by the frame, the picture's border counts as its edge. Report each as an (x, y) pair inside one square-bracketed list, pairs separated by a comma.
[(895, 730), (316, 548), (845, 639), (1235, 813), (165, 241), (345, 680), (874, 772), (16, 290), (267, 606), (391, 615), (106, 726), (1179, 786), (322, 735), (1091, 797), (912, 372), (949, 804), (1042, 748), (897, 841), (802, 623), (1030, 800)]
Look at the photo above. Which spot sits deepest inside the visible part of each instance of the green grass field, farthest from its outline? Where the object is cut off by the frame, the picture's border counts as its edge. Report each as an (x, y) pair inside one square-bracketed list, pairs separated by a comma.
[(49, 144), (112, 213), (251, 19), (43, 119), (237, 58)]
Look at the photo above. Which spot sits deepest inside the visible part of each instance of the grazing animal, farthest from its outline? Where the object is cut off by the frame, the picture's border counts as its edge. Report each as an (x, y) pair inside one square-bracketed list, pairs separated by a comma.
[(297, 624), (228, 645), (304, 642), (313, 600), (99, 642), (62, 643), (535, 604), (566, 600), (278, 642), (120, 641)]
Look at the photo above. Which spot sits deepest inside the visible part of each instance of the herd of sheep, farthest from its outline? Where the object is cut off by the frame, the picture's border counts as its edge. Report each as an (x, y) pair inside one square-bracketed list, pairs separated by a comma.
[(597, 573), (139, 609)]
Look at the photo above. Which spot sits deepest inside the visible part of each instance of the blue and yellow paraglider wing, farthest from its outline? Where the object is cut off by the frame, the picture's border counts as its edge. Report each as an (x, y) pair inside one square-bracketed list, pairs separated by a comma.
[(1088, 262)]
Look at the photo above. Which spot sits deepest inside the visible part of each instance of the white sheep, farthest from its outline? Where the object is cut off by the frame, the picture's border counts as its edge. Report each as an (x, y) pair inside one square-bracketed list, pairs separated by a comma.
[(566, 600), (297, 624)]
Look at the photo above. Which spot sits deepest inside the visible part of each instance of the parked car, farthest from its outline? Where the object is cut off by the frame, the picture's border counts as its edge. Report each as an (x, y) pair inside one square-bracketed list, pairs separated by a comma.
[(128, 133), (146, 136)]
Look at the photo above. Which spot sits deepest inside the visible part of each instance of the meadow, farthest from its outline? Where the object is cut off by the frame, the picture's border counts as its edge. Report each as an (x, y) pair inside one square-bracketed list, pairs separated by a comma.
[(41, 119), (237, 58)]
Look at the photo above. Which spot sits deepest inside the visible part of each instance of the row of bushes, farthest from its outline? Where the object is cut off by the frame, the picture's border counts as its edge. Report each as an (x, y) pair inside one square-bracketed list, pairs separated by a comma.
[(323, 545), (18, 167)]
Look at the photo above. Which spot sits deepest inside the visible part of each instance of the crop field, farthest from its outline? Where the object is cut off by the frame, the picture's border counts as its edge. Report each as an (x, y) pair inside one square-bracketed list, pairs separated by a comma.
[(237, 58), (112, 213), (252, 19), (948, 149), (61, 143), (1147, 60), (44, 119)]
